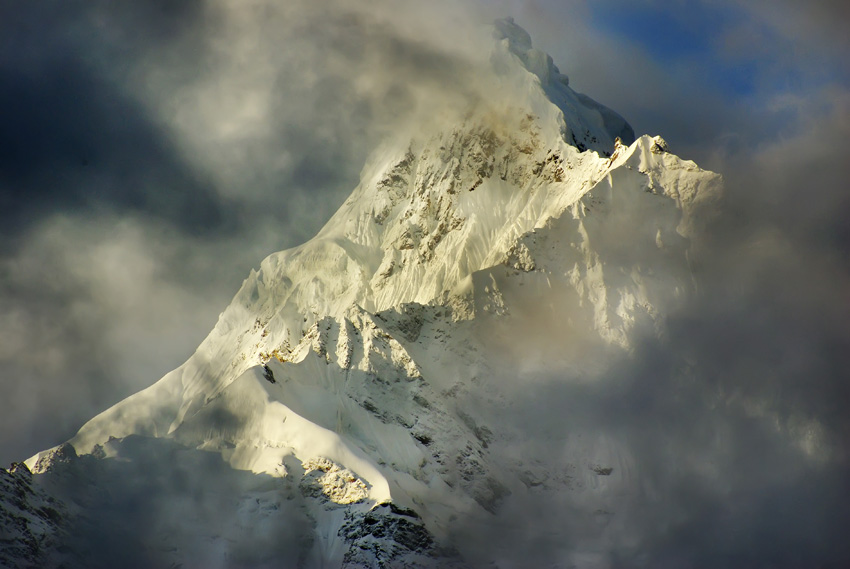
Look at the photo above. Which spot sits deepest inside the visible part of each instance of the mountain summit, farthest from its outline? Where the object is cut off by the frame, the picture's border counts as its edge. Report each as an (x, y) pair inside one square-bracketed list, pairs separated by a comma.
[(367, 399), (585, 123)]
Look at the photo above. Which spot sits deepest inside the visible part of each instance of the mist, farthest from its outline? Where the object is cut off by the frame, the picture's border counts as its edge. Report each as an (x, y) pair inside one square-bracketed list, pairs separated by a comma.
[(721, 442), (150, 155)]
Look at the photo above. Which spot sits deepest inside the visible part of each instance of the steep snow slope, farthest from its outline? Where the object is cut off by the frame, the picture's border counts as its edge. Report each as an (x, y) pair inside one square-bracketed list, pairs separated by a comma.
[(356, 395)]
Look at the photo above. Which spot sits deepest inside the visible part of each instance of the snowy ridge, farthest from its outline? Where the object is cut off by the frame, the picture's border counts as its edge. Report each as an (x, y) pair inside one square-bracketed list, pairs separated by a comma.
[(349, 388), (582, 121)]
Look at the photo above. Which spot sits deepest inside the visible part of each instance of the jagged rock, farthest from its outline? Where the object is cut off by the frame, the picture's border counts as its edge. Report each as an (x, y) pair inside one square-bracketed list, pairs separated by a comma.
[(32, 523), (391, 536), (323, 477)]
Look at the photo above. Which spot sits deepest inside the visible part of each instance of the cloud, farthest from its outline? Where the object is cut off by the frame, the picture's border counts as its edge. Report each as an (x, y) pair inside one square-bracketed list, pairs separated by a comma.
[(94, 309), (728, 436), (291, 97), (224, 518), (151, 154), (816, 29)]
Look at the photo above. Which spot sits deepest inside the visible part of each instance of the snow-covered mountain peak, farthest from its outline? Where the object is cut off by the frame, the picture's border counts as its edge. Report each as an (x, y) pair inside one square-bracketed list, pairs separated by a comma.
[(582, 121), (355, 388), (518, 42)]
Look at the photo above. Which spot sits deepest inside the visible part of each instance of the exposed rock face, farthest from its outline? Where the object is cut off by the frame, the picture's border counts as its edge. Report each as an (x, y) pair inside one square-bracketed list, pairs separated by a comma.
[(339, 485), (389, 536), (32, 523)]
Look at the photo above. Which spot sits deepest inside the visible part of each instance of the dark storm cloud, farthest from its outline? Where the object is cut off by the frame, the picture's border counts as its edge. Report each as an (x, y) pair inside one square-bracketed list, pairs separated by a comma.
[(71, 139), (91, 186), (202, 113), (71, 143)]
